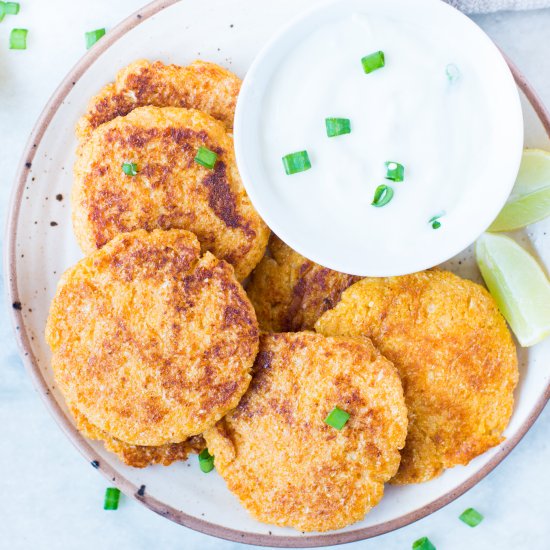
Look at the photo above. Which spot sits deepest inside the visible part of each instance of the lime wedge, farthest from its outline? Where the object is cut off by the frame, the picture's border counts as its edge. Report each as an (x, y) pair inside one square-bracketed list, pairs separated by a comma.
[(530, 198), (518, 285)]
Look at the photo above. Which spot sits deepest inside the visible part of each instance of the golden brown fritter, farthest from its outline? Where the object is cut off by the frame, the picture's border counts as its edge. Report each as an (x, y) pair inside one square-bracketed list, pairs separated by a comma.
[(276, 453), (455, 356), (290, 292), (170, 191), (140, 456), (151, 342), (203, 86)]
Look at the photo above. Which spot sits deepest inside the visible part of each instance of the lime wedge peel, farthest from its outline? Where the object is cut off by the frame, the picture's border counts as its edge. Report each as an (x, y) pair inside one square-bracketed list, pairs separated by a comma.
[(530, 198), (518, 285)]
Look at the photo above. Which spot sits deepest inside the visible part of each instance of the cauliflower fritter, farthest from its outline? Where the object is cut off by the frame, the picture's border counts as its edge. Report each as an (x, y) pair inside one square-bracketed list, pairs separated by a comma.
[(139, 456), (202, 85), (290, 292), (152, 343), (276, 453), (170, 190), (455, 356)]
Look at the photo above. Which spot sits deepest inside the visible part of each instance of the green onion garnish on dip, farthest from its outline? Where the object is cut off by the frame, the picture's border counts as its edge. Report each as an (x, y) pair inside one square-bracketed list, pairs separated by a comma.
[(296, 162), (373, 61), (337, 126), (382, 196)]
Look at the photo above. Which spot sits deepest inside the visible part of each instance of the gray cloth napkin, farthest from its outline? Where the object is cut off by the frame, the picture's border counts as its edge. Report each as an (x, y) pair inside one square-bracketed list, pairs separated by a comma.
[(484, 6)]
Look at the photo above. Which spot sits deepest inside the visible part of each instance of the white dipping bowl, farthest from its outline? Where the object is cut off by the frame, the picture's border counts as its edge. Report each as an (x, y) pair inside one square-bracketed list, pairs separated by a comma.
[(325, 224)]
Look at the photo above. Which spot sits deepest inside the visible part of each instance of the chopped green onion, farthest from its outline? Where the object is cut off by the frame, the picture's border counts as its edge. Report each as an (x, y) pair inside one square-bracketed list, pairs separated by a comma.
[(206, 158), (130, 168), (18, 39), (337, 126), (395, 171), (434, 220), (2, 10), (452, 72), (112, 495), (337, 418), (296, 162), (206, 461), (93, 36), (12, 8), (471, 517), (373, 61), (423, 544), (382, 196)]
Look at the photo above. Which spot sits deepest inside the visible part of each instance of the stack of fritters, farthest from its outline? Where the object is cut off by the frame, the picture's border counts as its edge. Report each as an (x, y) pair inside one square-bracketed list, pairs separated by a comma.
[(156, 344)]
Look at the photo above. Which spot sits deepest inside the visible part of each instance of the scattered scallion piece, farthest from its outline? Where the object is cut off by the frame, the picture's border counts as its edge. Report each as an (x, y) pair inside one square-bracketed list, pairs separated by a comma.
[(434, 220), (18, 39), (337, 418), (423, 544), (130, 168), (337, 126), (382, 196), (471, 517), (296, 162), (452, 72), (395, 171), (206, 461), (373, 61), (206, 158), (112, 496), (93, 36), (2, 10), (12, 8)]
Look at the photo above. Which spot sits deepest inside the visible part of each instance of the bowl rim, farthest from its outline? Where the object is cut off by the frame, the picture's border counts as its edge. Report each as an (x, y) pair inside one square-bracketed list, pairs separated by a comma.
[(247, 136), (110, 473)]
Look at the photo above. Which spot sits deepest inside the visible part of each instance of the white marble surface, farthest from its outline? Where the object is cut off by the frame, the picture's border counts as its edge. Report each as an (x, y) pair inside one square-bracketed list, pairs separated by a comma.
[(51, 498)]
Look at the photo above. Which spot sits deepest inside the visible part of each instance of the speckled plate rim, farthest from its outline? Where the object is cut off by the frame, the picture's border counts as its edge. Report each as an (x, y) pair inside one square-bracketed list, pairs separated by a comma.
[(128, 488)]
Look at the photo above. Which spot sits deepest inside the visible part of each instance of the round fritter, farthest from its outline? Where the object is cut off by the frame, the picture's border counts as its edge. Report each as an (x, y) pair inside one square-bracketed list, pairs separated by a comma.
[(290, 292), (203, 86), (152, 343), (170, 190), (455, 356), (276, 453), (140, 456)]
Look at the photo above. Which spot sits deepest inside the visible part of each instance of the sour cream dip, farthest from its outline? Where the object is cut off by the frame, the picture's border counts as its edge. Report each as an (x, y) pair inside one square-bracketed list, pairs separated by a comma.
[(443, 106)]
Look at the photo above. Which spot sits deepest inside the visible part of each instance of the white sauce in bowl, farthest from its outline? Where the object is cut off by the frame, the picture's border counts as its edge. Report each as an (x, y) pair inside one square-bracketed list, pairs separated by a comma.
[(458, 139)]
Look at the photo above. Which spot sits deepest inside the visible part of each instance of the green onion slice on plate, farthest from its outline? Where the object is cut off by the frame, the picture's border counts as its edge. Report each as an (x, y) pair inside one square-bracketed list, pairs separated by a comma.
[(93, 36), (206, 461), (206, 158), (112, 496), (382, 196), (337, 126), (395, 171), (296, 162), (18, 39), (130, 168), (337, 418), (373, 61), (471, 517), (423, 544), (452, 72)]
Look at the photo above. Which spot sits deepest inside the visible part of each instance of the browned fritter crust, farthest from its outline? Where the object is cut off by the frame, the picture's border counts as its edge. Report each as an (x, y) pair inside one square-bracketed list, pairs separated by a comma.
[(275, 451), (202, 85), (140, 456), (290, 292), (151, 342), (455, 356), (170, 191)]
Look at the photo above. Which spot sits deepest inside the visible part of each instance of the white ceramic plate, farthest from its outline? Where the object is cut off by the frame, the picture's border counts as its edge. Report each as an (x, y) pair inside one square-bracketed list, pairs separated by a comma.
[(41, 246)]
